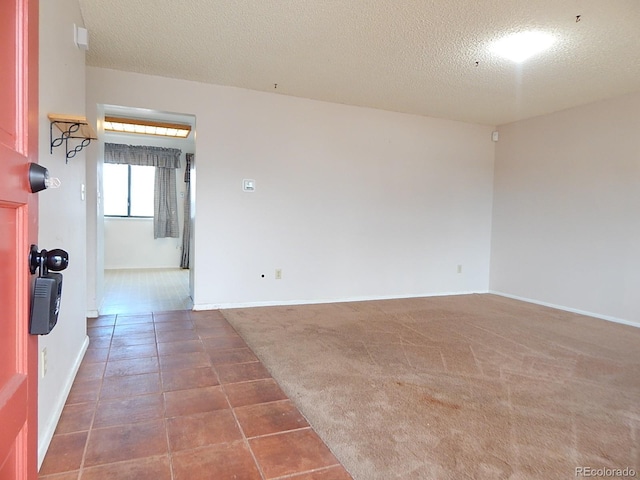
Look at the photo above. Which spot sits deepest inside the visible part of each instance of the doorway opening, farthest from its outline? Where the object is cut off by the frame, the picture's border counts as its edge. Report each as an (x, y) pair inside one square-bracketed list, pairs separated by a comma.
[(142, 271)]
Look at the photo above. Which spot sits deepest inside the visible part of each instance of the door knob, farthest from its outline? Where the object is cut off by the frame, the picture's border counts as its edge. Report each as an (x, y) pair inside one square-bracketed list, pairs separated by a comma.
[(55, 260)]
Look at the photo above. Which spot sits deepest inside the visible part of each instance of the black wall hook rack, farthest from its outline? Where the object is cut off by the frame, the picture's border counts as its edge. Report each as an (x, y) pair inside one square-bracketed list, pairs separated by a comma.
[(70, 127)]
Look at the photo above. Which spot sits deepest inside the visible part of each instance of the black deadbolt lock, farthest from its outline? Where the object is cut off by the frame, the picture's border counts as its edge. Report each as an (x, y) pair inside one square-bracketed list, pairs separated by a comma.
[(38, 178)]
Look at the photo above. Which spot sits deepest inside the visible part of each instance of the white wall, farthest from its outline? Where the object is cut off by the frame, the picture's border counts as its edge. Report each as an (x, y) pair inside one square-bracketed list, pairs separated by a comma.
[(129, 242), (351, 203), (62, 211), (566, 216)]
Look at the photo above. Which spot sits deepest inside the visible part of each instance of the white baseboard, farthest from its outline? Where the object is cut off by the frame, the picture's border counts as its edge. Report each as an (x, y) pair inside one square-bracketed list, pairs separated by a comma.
[(221, 306), (277, 303), (93, 314), (47, 433), (568, 309)]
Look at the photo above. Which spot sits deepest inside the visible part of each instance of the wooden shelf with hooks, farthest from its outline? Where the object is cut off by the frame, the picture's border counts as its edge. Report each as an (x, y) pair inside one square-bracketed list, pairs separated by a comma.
[(70, 127)]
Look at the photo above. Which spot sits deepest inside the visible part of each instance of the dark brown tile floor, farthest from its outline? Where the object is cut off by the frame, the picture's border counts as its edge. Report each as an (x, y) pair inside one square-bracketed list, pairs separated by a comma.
[(179, 395)]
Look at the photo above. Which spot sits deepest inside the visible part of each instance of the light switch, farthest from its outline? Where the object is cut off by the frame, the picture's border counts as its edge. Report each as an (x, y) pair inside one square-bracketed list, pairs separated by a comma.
[(81, 37), (248, 185)]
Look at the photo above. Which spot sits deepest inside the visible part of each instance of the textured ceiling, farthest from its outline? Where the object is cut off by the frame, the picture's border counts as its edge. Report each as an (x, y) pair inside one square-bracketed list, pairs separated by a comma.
[(413, 56)]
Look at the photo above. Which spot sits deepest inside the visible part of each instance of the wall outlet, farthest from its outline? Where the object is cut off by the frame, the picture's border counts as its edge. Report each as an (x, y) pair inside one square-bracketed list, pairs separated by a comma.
[(459, 268), (43, 361), (278, 274)]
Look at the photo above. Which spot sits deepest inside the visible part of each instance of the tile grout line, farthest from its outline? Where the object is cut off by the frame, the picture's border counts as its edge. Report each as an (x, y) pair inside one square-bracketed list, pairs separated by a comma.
[(308, 427), (97, 400), (245, 440), (164, 404), (274, 434), (314, 470)]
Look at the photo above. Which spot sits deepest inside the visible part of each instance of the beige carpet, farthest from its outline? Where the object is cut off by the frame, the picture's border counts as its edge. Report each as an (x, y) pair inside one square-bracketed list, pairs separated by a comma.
[(459, 387)]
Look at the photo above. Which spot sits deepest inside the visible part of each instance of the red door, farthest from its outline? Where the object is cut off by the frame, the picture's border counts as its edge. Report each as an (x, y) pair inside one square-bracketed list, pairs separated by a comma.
[(18, 229)]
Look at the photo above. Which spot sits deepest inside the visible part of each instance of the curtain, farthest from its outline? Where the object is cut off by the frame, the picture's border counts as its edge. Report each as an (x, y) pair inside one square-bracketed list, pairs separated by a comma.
[(166, 160), (186, 229), (142, 155), (165, 202)]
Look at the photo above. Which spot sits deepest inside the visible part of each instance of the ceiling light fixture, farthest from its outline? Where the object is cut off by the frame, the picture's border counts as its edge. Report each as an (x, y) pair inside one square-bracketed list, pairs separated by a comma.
[(146, 127), (520, 46)]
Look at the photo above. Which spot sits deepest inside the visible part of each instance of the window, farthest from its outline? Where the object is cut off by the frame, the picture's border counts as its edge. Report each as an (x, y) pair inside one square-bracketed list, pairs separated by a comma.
[(128, 190)]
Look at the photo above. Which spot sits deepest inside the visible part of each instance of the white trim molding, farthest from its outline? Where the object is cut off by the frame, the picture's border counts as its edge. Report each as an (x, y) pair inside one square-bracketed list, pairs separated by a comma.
[(47, 433), (568, 309), (277, 303)]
